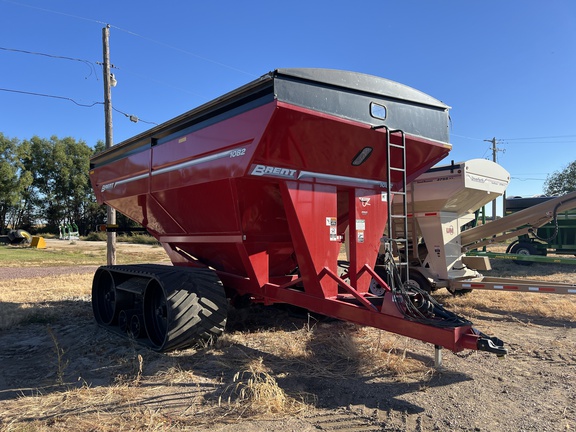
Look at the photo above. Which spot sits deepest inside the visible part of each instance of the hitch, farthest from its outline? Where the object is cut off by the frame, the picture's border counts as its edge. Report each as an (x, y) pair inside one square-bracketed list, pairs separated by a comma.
[(492, 345)]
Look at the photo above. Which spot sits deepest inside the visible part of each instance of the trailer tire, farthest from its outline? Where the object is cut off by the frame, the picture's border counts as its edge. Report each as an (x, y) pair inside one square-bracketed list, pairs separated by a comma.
[(417, 279), (186, 307), (20, 236), (375, 288), (24, 235), (524, 248)]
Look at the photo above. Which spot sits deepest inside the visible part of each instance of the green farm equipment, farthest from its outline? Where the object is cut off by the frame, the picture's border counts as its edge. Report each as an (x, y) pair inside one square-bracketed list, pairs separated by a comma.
[(557, 236)]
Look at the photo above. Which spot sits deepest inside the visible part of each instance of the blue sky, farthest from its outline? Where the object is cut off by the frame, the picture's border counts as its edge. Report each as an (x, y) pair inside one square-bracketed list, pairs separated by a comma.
[(507, 68)]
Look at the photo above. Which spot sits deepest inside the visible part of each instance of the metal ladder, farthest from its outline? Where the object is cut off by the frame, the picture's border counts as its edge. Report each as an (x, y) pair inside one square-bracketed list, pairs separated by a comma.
[(397, 221)]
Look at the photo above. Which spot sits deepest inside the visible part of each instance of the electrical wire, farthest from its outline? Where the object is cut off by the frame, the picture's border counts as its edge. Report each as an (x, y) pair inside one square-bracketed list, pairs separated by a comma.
[(544, 137), (86, 62), (529, 140), (465, 137), (132, 117), (52, 96), (54, 12), (527, 179), (138, 35)]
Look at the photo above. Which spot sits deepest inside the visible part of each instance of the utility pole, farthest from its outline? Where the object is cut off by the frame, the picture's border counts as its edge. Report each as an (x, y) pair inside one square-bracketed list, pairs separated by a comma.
[(494, 160), (494, 150), (110, 212)]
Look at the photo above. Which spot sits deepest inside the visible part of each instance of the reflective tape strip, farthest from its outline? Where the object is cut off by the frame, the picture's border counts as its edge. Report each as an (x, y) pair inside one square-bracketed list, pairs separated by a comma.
[(321, 176), (131, 179), (210, 158), (221, 155)]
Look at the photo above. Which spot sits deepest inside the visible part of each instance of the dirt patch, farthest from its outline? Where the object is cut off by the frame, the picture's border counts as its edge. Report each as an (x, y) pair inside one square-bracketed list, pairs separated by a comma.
[(35, 272), (62, 372)]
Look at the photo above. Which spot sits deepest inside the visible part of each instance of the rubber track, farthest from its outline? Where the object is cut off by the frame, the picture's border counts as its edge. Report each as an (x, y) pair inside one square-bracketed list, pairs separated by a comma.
[(196, 303)]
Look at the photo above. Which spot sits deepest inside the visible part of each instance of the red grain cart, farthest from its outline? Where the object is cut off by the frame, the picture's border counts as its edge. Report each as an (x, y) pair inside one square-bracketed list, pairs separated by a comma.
[(252, 196)]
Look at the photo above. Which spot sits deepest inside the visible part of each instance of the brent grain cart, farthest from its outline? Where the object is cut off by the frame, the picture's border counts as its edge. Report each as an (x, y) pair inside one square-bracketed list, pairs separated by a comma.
[(251, 196)]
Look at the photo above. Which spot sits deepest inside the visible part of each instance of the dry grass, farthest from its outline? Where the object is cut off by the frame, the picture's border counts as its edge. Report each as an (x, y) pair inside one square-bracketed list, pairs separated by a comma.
[(547, 272), (261, 374), (335, 350), (527, 306), (256, 392), (46, 289), (114, 408), (42, 300), (254, 373)]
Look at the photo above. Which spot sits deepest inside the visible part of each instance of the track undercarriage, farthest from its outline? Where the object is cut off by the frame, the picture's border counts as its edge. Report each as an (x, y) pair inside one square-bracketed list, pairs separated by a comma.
[(163, 307)]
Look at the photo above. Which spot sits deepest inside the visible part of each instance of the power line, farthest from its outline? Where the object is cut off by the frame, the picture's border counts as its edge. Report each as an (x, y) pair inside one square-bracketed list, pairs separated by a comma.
[(51, 96), (465, 137), (185, 52), (528, 139), (86, 62), (544, 137), (132, 117), (55, 12), (140, 36), (527, 179), (542, 142)]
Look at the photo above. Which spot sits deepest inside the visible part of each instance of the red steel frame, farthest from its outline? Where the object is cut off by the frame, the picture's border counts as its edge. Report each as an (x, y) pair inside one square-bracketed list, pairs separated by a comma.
[(265, 197)]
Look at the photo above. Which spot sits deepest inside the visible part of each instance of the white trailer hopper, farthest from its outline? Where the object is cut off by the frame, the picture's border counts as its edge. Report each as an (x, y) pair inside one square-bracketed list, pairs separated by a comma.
[(441, 202)]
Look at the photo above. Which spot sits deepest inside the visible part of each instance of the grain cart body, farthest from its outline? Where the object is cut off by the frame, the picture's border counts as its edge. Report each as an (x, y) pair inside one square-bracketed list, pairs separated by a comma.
[(258, 187)]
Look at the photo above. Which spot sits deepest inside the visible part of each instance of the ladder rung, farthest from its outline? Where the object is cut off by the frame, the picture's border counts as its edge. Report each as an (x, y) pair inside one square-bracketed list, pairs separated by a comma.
[(400, 146), (399, 169), (398, 216), (399, 193)]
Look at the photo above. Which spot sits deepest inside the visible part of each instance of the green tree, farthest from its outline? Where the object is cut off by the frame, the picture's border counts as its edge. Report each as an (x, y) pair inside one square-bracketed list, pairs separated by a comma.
[(14, 181), (61, 190), (94, 213), (99, 147), (561, 182)]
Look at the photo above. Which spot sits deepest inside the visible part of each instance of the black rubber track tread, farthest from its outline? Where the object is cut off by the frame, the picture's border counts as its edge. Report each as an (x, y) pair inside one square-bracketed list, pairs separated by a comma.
[(196, 303)]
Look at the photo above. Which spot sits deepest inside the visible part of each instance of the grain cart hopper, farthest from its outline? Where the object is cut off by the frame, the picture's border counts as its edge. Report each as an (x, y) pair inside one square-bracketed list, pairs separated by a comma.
[(251, 195), (441, 204)]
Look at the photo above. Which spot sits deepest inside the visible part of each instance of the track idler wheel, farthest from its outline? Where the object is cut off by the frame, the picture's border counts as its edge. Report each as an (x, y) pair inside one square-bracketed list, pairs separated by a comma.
[(123, 321), (107, 301)]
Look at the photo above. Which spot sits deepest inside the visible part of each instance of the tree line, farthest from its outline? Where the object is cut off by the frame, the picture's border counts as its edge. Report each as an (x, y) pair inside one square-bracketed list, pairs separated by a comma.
[(44, 183)]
